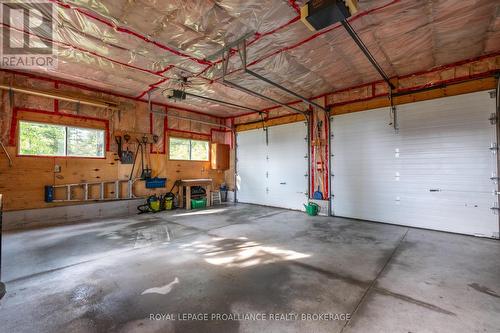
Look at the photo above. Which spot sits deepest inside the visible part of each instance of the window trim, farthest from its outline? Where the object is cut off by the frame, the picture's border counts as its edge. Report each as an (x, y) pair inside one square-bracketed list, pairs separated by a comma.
[(190, 139), (18, 141), (31, 114)]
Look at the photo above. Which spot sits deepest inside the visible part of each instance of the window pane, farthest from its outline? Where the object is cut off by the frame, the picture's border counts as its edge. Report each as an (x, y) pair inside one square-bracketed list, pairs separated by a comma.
[(41, 139), (199, 150), (85, 142), (179, 149)]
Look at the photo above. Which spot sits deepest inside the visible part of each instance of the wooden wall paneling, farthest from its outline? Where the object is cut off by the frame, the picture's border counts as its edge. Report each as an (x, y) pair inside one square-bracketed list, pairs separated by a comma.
[(23, 184)]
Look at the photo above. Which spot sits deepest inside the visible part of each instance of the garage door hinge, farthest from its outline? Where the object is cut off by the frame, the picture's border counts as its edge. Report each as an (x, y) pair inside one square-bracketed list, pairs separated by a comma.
[(493, 146), (267, 174), (306, 156), (493, 118)]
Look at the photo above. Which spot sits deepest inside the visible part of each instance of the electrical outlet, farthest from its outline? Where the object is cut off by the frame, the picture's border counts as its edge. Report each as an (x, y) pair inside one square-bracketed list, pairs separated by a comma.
[(57, 168)]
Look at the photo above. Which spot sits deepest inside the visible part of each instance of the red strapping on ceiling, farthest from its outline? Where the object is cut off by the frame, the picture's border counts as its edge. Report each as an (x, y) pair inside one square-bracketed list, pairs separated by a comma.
[(294, 6), (316, 35), (111, 93), (258, 36), (130, 32), (400, 33), (428, 85), (86, 51), (151, 87)]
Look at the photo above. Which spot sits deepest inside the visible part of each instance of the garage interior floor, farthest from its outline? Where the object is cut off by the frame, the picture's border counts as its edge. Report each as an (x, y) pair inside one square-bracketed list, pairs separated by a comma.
[(112, 275)]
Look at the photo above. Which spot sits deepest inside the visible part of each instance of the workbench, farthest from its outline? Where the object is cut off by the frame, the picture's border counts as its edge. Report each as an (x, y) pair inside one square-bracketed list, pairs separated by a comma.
[(187, 183)]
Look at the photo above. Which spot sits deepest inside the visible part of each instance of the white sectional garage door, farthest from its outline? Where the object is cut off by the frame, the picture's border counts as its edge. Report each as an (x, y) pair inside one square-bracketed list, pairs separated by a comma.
[(435, 173), (273, 174)]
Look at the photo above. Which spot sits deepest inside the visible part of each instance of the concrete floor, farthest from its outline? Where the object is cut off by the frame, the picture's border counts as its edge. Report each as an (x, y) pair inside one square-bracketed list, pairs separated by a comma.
[(112, 275)]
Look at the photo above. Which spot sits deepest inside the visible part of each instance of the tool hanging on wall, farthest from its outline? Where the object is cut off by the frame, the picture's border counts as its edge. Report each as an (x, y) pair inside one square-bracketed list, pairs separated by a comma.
[(118, 140), (125, 156), (145, 171)]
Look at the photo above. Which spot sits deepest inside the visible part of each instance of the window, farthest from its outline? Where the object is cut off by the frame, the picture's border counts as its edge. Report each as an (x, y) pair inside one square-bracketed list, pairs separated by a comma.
[(59, 140), (187, 149)]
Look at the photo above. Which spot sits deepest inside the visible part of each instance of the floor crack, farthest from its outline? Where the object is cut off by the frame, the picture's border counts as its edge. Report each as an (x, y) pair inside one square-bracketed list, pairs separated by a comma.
[(370, 287)]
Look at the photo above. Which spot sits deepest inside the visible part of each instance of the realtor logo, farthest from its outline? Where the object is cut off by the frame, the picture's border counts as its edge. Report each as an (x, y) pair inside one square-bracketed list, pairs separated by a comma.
[(27, 35)]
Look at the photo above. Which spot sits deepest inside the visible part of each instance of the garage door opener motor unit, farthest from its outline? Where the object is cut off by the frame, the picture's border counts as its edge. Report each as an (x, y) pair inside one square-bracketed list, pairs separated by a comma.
[(319, 14)]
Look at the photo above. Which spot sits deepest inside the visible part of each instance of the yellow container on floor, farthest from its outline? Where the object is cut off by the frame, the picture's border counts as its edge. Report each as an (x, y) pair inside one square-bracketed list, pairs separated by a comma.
[(169, 203)]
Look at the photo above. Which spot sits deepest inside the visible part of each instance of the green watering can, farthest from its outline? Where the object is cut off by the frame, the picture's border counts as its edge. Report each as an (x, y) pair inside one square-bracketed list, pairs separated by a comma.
[(312, 209)]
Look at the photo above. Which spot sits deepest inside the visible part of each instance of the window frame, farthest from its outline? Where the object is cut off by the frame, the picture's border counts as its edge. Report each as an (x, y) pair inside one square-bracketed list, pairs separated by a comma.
[(18, 150), (189, 139)]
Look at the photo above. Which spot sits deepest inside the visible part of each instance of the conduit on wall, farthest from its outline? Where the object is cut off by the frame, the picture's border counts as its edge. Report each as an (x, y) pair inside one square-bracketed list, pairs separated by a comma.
[(62, 97)]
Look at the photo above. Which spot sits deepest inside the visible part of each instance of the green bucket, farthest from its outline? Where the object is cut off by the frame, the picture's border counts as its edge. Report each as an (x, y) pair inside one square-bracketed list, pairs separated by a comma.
[(312, 209)]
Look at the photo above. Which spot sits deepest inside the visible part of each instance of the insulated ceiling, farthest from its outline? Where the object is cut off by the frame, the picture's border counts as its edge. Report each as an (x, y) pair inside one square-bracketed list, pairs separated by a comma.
[(132, 47)]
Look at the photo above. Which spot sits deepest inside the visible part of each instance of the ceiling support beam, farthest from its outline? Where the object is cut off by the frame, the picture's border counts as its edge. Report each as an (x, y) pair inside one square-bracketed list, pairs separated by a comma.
[(242, 50), (163, 114), (303, 99), (251, 92), (366, 52), (243, 56), (222, 102)]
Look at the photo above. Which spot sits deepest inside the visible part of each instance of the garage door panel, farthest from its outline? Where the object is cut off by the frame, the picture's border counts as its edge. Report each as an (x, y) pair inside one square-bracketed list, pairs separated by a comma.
[(442, 145), (272, 173), (414, 217), (251, 176), (288, 165)]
